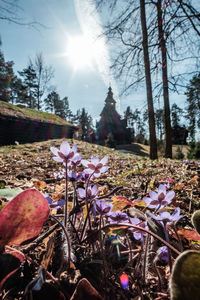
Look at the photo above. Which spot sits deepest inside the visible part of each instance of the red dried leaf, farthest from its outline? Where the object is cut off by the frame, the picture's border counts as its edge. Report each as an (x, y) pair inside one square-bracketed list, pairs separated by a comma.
[(190, 235), (85, 290), (120, 202), (23, 217)]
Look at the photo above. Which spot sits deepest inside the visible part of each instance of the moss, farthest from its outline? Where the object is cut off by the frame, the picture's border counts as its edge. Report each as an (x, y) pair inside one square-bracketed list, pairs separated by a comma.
[(8, 109)]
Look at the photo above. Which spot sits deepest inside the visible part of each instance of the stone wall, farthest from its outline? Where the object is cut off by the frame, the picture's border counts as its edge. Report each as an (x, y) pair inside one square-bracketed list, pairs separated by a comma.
[(14, 129)]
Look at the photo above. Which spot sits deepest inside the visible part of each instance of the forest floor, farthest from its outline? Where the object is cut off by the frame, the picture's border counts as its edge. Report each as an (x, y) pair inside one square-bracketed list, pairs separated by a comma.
[(31, 165)]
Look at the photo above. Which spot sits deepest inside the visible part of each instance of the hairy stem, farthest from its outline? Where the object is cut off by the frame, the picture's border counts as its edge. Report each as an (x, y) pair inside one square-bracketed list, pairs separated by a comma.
[(67, 238)]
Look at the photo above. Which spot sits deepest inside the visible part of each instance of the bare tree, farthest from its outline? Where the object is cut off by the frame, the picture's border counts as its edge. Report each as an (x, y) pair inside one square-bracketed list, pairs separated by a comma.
[(174, 38), (152, 131), (11, 11), (162, 45), (44, 74)]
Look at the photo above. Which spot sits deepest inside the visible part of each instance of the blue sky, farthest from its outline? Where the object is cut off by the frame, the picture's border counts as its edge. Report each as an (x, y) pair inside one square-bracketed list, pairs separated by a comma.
[(85, 87)]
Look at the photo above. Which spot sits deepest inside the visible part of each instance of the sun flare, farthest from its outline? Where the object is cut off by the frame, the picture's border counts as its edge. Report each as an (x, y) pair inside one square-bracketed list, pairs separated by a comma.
[(80, 52)]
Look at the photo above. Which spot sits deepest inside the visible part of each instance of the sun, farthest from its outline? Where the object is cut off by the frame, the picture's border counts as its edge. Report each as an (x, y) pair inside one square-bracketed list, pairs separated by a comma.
[(80, 52)]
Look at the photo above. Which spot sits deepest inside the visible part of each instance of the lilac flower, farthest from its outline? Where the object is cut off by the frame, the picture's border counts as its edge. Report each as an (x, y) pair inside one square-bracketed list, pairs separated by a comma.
[(59, 175), (167, 218), (160, 199), (163, 254), (65, 153), (117, 217), (137, 233), (95, 166), (55, 204), (85, 176), (71, 175), (101, 207), (74, 176), (90, 193), (75, 161)]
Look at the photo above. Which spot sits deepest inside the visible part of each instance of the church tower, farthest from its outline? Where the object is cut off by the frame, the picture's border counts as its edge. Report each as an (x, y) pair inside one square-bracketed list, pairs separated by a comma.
[(111, 130), (110, 102)]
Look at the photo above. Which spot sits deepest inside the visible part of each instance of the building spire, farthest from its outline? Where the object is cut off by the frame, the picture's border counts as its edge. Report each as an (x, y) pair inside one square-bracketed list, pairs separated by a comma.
[(109, 99)]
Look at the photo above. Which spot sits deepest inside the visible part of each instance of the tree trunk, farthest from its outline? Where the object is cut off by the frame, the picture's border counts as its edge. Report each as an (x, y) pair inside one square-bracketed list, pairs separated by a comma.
[(152, 131), (168, 137)]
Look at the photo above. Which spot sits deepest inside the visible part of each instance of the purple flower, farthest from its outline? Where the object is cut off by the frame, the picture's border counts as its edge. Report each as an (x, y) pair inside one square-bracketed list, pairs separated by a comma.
[(89, 193), (160, 199), (59, 175), (168, 218), (163, 254), (101, 207), (55, 204), (137, 233), (75, 161), (117, 217), (85, 176), (74, 176), (95, 166), (65, 153)]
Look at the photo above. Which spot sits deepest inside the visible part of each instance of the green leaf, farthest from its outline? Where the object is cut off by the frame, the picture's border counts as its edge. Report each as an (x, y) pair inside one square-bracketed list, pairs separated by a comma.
[(2, 184), (9, 194)]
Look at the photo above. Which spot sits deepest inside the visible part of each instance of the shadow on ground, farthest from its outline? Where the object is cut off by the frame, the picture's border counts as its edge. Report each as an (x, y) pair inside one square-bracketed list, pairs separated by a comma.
[(137, 149)]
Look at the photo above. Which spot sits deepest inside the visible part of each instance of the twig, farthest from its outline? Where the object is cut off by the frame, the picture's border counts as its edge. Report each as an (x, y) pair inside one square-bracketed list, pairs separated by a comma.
[(111, 193), (34, 244)]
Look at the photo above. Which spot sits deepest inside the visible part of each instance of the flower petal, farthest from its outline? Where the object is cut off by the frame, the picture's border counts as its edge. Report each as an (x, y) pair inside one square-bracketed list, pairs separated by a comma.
[(137, 235), (58, 159), (147, 200), (94, 160), (54, 150), (153, 195), (162, 189), (65, 148), (94, 190), (74, 148), (82, 193), (104, 169), (85, 162), (169, 196), (104, 160)]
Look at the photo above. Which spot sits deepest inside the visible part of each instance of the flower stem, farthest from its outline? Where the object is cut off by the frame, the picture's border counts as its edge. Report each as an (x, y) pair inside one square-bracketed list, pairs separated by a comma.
[(139, 228), (66, 196), (169, 250), (67, 238)]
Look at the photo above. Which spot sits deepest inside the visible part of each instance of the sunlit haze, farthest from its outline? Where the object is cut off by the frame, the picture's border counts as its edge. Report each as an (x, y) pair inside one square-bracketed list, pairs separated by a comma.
[(81, 53)]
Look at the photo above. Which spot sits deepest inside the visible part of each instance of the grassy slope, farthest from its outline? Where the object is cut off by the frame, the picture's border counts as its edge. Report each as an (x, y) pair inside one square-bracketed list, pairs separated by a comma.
[(8, 109), (143, 150)]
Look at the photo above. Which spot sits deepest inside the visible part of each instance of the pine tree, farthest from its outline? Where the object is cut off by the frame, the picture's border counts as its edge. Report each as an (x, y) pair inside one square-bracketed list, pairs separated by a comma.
[(84, 121), (29, 82), (67, 110), (193, 105), (6, 76), (176, 113)]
